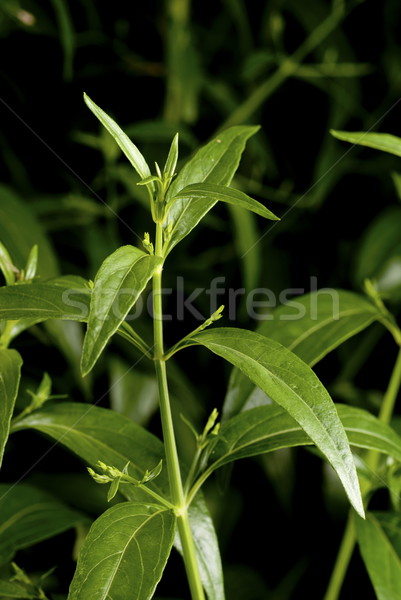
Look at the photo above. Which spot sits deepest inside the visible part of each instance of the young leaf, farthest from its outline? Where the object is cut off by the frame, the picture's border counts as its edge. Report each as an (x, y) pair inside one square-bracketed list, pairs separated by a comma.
[(118, 285), (202, 193), (378, 141), (6, 265), (268, 428), (380, 544), (215, 163), (28, 516), (124, 554), (130, 150), (95, 433), (295, 387), (10, 371), (171, 162), (311, 326)]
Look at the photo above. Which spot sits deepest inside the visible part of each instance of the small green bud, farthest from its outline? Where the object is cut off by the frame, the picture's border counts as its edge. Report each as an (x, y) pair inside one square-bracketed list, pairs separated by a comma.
[(98, 478), (147, 244)]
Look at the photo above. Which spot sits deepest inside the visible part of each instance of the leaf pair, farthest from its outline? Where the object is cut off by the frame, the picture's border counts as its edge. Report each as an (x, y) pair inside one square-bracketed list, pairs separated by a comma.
[(92, 432)]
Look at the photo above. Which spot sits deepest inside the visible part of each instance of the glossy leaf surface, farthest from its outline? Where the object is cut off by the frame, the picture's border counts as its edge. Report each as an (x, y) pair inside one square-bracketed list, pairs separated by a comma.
[(124, 554), (379, 141), (118, 285), (379, 538), (214, 163), (269, 428), (294, 386), (127, 146), (311, 326), (203, 192), (94, 434)]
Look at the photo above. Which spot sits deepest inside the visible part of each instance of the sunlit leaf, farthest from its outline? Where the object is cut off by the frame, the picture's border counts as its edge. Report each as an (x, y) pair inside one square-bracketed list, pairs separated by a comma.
[(295, 387)]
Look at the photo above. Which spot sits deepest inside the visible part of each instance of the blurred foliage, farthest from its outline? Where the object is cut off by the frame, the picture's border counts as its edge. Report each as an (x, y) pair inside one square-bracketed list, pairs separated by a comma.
[(298, 69)]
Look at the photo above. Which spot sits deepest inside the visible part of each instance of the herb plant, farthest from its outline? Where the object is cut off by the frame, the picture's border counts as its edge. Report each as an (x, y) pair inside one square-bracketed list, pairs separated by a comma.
[(156, 494)]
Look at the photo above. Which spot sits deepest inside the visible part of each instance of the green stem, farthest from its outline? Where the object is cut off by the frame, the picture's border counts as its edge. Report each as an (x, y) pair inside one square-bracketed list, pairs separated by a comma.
[(287, 68), (173, 467), (372, 460), (178, 48)]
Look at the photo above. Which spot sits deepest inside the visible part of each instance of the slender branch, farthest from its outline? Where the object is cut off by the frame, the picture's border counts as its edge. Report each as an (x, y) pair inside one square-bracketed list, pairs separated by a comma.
[(173, 467), (287, 68)]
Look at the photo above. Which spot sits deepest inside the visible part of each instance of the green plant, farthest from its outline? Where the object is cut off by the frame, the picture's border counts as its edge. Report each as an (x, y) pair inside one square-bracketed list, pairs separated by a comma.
[(156, 492)]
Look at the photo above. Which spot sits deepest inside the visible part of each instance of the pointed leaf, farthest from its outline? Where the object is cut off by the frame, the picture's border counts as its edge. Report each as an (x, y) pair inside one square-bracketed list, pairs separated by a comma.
[(6, 265), (378, 537), (124, 554), (28, 516), (204, 192), (118, 285), (215, 163), (94, 434), (10, 372), (268, 428), (311, 326), (295, 387), (130, 150), (171, 162), (379, 141)]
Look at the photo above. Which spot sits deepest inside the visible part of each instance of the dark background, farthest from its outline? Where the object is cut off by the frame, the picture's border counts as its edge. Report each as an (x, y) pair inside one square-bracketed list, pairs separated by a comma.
[(157, 72)]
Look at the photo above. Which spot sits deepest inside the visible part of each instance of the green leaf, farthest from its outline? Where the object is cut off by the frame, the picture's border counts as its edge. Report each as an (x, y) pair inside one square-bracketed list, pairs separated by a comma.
[(124, 554), (12, 589), (295, 387), (268, 428), (171, 162), (118, 284), (214, 163), (20, 230), (6, 265), (10, 372), (203, 192), (28, 516), (62, 298), (379, 141), (94, 434), (379, 254), (379, 538), (311, 326), (31, 263), (130, 150)]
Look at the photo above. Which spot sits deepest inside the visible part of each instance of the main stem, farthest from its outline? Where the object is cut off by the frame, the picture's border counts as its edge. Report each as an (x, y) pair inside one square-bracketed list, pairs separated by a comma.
[(173, 467), (349, 538)]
